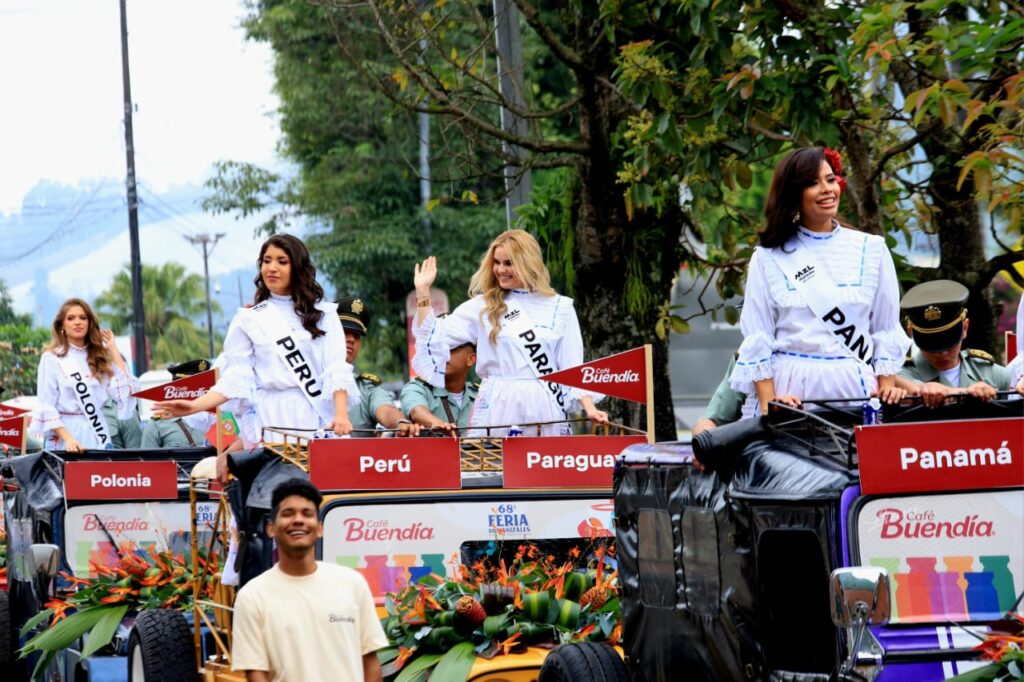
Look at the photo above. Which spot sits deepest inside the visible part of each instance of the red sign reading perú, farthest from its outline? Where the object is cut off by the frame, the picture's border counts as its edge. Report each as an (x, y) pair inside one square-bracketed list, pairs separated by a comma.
[(949, 455), (622, 375), (8, 411), (121, 480), (188, 388), (385, 463), (12, 430), (562, 462)]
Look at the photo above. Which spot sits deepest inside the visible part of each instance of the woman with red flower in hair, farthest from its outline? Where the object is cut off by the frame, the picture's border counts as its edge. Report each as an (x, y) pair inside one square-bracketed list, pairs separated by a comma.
[(821, 309)]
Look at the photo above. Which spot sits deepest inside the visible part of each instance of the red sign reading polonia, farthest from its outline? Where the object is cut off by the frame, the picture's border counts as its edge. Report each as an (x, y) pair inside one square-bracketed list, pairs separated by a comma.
[(948, 455), (623, 375), (8, 411), (121, 480), (187, 388), (385, 463), (562, 462), (12, 430)]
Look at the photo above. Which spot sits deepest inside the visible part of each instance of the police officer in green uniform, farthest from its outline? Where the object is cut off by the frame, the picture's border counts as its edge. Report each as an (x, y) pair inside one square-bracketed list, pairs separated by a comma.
[(726, 404), (936, 313), (183, 432), (445, 408), (376, 404), (124, 433)]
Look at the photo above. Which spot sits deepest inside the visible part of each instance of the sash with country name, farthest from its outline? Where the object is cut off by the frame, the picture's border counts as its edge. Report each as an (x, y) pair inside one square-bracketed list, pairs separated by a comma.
[(298, 362), (85, 394), (536, 351), (820, 293)]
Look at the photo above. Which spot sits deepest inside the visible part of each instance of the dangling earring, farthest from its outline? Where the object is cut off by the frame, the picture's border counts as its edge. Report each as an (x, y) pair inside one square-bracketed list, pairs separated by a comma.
[(796, 217)]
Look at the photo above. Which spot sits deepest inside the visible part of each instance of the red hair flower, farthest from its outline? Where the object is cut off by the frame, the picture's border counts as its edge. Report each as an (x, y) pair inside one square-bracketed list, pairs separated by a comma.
[(834, 160)]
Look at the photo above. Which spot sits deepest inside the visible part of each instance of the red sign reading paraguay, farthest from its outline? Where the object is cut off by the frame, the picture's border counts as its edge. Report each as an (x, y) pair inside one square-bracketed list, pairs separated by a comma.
[(188, 388), (385, 463), (622, 375), (121, 480), (931, 456), (8, 411), (562, 462), (12, 430)]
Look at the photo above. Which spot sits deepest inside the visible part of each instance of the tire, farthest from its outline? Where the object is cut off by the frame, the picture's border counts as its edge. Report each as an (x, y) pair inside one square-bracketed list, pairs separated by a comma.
[(160, 648), (583, 663), (7, 638)]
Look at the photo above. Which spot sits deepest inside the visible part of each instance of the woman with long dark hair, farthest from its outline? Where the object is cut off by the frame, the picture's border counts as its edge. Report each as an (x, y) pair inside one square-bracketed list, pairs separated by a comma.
[(284, 357), (79, 371), (512, 300), (821, 310)]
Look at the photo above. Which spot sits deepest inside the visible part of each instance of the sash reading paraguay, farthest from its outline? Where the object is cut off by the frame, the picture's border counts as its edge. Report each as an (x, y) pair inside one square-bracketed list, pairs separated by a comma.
[(534, 349), (84, 393)]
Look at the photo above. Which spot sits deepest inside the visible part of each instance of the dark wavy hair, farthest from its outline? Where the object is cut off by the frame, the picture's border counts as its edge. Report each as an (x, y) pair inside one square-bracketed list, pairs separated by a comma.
[(305, 290), (294, 486), (797, 171), (98, 356)]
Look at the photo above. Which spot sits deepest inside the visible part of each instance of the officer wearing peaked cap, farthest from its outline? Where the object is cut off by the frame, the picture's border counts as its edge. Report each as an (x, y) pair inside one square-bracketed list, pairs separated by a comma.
[(182, 432), (936, 313), (444, 407), (376, 404)]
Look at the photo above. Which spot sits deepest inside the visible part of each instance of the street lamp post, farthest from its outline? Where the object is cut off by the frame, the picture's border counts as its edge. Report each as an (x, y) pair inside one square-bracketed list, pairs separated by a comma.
[(208, 243)]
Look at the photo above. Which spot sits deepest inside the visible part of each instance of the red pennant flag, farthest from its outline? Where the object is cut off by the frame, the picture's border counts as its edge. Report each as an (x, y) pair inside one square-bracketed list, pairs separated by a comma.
[(8, 411), (12, 431), (188, 388), (622, 375)]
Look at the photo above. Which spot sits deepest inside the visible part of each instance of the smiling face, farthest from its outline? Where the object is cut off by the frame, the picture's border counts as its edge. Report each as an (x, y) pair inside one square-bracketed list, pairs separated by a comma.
[(504, 271), (76, 325), (819, 203), (276, 271), (296, 527)]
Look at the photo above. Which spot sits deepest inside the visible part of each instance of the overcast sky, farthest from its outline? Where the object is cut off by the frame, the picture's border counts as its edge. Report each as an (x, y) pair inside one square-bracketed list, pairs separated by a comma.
[(202, 93)]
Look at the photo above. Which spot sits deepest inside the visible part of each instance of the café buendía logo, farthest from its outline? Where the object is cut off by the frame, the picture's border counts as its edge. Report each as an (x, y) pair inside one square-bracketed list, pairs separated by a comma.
[(381, 530), (927, 524)]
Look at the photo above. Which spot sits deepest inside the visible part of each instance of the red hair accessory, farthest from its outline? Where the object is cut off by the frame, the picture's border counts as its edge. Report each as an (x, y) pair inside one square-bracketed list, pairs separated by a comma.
[(834, 160)]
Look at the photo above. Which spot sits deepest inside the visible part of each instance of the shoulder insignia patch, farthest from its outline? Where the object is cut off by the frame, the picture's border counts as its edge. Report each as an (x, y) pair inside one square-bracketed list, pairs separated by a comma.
[(980, 355), (423, 381), (372, 378)]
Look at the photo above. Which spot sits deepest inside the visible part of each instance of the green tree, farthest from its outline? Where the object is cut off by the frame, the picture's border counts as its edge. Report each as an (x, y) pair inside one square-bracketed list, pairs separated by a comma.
[(7, 314), (171, 298), (20, 347)]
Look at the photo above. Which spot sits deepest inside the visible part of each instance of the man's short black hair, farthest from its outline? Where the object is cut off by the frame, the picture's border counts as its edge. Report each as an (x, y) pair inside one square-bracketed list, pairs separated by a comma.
[(295, 486)]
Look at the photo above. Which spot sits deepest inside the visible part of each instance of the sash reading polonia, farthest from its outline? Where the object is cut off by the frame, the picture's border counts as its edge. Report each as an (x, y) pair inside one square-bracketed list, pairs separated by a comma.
[(534, 349), (83, 391), (820, 292), (300, 365)]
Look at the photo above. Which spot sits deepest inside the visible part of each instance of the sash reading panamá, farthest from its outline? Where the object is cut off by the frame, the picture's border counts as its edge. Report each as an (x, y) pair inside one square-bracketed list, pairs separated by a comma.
[(534, 349), (820, 292), (84, 393), (287, 348)]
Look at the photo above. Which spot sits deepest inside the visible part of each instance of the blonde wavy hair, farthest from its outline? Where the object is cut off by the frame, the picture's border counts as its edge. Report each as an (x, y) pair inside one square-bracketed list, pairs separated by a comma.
[(100, 361), (524, 252)]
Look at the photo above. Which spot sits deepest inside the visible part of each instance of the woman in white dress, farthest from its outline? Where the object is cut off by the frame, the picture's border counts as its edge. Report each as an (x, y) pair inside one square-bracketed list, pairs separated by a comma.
[(790, 353), (521, 327), (79, 371), (283, 361)]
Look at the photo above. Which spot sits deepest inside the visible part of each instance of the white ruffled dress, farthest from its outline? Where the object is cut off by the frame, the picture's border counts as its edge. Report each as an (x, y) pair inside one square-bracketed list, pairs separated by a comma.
[(59, 406), (510, 393), (263, 390), (784, 341)]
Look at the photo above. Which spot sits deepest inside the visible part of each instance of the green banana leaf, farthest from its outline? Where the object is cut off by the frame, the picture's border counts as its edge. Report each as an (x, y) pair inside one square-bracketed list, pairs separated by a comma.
[(455, 665)]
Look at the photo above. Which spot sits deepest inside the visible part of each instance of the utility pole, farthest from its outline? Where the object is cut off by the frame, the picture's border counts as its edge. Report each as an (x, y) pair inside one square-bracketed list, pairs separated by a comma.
[(208, 243), (138, 314), (510, 85)]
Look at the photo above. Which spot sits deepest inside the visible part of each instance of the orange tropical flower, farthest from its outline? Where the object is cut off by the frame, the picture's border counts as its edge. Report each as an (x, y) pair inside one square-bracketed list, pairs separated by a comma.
[(403, 656), (509, 643)]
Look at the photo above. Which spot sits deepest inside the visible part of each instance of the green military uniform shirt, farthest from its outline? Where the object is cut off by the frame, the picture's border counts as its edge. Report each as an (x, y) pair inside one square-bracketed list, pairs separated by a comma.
[(419, 392), (726, 404), (975, 366), (372, 396), (124, 433), (166, 433)]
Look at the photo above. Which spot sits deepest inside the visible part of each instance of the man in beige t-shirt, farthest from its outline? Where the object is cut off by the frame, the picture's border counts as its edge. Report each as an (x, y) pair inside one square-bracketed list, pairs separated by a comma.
[(304, 620)]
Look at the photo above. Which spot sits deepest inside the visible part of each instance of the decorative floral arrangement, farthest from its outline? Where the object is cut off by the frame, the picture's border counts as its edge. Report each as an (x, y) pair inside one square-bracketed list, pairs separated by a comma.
[(1006, 651), (440, 626), (834, 160), (141, 579)]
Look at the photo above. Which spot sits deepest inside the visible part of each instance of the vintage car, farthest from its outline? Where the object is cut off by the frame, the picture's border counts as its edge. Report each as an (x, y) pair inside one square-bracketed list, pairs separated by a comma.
[(725, 572)]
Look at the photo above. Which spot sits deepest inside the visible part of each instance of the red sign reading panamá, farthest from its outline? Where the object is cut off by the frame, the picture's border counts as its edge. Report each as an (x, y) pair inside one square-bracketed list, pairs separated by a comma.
[(622, 375), (187, 388), (947, 455), (121, 480), (562, 462), (385, 463)]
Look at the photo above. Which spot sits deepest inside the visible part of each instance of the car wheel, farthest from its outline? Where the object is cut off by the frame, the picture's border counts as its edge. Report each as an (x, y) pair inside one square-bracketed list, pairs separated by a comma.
[(583, 662), (160, 648)]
